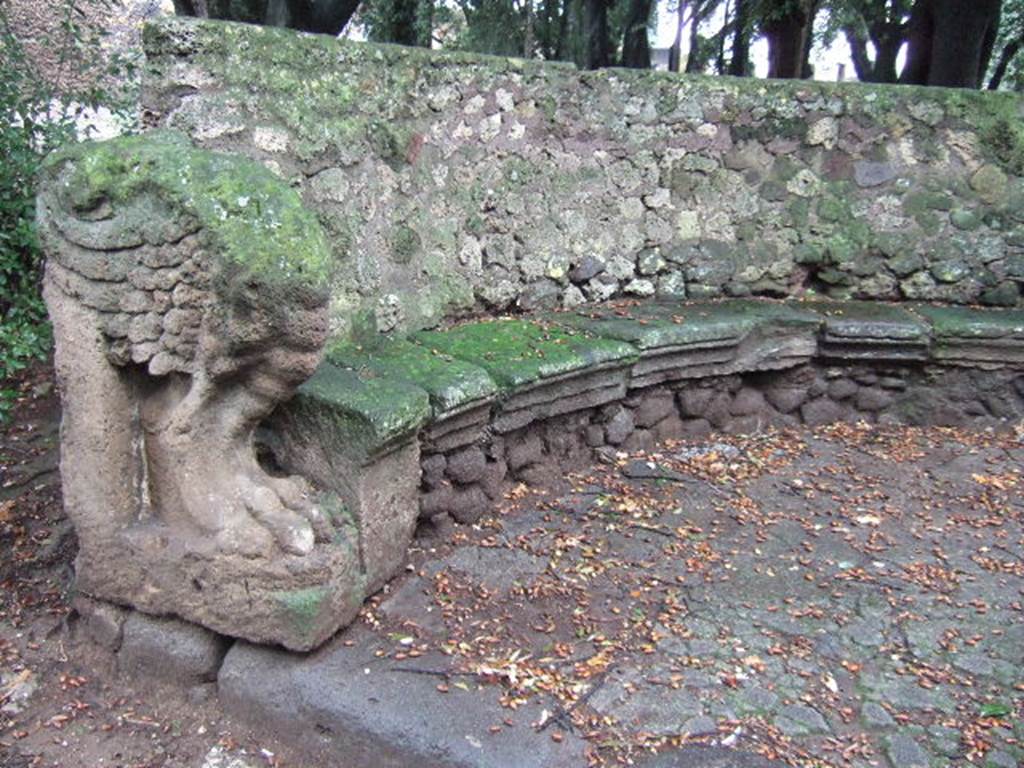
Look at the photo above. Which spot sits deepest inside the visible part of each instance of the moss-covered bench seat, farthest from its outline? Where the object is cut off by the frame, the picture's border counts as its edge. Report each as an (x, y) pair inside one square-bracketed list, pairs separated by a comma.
[(513, 398)]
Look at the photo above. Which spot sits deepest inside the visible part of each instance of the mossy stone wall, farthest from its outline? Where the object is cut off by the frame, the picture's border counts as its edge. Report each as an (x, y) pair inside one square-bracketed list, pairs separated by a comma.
[(449, 182)]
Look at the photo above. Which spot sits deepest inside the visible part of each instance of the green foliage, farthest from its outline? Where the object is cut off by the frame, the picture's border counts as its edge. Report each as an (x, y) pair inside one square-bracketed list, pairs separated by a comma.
[(34, 121)]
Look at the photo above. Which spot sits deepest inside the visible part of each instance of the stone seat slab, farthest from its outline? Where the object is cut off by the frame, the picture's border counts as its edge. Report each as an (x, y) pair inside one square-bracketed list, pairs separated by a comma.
[(692, 339), (670, 324), (370, 413), (974, 336), (519, 354), (856, 330), (542, 370), (454, 386)]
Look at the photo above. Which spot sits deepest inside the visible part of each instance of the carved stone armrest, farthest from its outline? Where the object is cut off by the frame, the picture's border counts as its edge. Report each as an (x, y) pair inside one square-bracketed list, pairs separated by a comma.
[(188, 292)]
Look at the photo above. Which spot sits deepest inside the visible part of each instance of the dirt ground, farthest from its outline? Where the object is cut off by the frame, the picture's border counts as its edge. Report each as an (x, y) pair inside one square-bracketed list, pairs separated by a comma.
[(848, 596), (62, 703)]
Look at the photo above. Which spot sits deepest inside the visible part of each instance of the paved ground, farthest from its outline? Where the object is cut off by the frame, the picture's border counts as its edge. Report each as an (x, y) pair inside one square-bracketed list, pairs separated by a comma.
[(842, 597), (850, 596)]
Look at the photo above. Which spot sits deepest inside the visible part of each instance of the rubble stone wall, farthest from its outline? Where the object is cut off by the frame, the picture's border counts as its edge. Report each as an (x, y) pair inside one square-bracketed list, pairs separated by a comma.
[(451, 182)]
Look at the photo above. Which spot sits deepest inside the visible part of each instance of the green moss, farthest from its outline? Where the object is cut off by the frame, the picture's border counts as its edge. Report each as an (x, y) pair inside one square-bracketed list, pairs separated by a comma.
[(451, 384), (834, 209), (870, 320), (389, 143), (517, 352), (920, 201), (405, 244), (970, 323), (254, 220), (670, 324), (304, 607), (359, 410)]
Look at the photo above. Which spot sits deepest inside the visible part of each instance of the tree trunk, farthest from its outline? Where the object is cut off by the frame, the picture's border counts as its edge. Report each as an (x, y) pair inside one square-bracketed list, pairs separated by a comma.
[(323, 16), (528, 38), (636, 47), (787, 40), (806, 69), (597, 47), (739, 64), (859, 54), (694, 62), (1012, 49), (951, 42), (888, 39), (675, 54)]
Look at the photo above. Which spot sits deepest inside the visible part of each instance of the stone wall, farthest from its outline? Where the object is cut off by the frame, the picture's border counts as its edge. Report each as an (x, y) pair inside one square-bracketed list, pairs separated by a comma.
[(450, 182)]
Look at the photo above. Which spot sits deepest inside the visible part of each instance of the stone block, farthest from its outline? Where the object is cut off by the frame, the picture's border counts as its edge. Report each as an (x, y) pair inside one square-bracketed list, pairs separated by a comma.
[(170, 650), (467, 465), (873, 399), (842, 388), (619, 427), (523, 449), (821, 411), (748, 402), (653, 407), (345, 706), (101, 622), (433, 468), (786, 399), (694, 401)]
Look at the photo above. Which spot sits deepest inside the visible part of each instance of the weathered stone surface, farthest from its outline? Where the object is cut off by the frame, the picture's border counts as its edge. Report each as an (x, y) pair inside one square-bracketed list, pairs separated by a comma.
[(429, 197), (872, 174), (748, 402), (340, 706), (524, 450), (467, 465), (497, 569), (101, 622), (820, 411), (905, 752), (800, 720), (873, 399), (433, 467), (619, 427), (213, 537), (786, 399), (654, 407), (169, 649)]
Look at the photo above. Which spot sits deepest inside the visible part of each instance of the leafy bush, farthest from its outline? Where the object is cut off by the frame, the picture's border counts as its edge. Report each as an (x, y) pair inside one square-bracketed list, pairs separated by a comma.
[(35, 117)]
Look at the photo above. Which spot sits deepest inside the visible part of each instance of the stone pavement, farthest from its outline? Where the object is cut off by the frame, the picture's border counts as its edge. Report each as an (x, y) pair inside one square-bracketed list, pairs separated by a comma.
[(848, 596)]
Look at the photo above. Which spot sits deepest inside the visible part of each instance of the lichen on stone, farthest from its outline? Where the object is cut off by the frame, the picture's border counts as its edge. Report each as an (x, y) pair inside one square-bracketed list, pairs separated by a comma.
[(253, 221)]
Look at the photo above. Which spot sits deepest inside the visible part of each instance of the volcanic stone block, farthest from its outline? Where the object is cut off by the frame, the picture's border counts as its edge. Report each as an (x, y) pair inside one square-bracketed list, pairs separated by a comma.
[(102, 622), (170, 650)]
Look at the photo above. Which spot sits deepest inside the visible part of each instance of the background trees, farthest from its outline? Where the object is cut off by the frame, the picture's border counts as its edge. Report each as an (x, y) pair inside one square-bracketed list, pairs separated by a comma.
[(958, 43)]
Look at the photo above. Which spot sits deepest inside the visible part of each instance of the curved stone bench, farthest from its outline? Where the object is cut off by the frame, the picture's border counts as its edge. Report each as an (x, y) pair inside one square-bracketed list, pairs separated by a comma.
[(513, 399), (224, 460)]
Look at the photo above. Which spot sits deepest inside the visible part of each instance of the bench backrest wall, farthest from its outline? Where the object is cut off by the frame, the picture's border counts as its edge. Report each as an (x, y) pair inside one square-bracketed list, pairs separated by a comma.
[(451, 181)]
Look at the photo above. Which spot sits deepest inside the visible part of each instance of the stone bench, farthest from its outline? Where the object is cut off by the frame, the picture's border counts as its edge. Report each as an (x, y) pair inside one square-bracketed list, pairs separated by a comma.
[(303, 315), (495, 400), (217, 471)]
